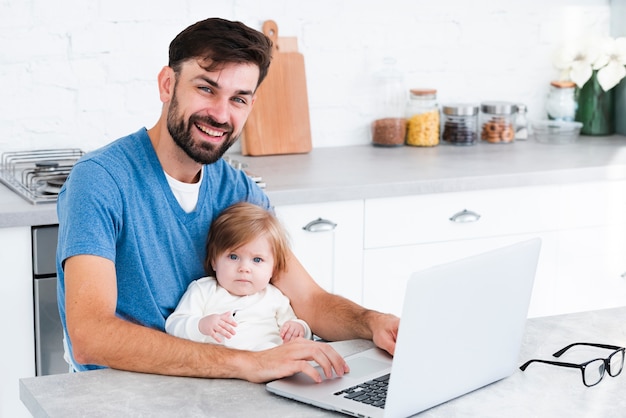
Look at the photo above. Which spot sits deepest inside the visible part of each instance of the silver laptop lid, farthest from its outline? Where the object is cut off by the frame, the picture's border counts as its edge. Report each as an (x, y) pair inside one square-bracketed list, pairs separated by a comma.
[(462, 327)]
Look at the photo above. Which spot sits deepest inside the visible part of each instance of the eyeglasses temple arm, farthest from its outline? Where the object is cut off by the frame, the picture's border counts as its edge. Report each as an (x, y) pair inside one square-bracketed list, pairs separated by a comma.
[(563, 350), (554, 363)]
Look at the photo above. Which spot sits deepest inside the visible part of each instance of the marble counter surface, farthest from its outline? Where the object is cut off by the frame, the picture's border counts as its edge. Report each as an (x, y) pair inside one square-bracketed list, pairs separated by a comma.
[(540, 391), (362, 172)]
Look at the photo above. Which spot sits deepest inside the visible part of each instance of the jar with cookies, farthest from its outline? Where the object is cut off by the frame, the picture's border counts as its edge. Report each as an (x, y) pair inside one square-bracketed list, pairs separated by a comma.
[(422, 118), (497, 120)]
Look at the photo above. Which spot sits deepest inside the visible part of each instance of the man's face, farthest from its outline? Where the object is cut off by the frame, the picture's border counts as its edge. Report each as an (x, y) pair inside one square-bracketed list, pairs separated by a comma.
[(208, 110)]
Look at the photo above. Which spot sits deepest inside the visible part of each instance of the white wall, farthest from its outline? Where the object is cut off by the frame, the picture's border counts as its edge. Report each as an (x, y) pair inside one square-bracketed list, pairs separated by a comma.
[(83, 72)]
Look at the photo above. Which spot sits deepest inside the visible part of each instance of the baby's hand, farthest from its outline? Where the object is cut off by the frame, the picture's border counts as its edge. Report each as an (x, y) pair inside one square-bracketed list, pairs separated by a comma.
[(291, 330), (218, 326)]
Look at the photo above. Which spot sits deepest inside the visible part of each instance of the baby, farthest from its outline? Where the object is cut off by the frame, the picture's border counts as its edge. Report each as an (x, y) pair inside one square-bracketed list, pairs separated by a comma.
[(236, 305)]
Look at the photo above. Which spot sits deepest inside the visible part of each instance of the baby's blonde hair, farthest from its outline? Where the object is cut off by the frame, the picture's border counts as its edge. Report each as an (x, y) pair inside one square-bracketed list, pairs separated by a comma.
[(241, 223)]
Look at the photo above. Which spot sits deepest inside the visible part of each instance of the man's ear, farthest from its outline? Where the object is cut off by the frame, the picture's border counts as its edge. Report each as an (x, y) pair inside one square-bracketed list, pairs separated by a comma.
[(167, 80)]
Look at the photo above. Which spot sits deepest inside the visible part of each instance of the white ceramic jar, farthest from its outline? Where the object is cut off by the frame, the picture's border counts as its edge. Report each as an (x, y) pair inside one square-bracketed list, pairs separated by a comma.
[(561, 103)]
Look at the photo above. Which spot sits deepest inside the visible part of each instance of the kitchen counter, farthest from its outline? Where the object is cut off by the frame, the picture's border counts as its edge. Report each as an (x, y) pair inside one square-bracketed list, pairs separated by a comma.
[(540, 391), (361, 172)]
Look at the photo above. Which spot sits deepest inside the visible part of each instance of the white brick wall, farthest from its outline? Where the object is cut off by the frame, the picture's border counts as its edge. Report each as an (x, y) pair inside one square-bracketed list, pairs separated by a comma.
[(83, 72)]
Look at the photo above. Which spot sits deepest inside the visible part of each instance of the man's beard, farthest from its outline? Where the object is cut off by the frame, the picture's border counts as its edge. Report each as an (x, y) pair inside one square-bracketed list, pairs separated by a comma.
[(202, 152)]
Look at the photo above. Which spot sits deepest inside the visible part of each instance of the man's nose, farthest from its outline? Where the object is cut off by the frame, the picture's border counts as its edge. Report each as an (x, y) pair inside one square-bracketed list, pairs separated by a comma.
[(220, 110)]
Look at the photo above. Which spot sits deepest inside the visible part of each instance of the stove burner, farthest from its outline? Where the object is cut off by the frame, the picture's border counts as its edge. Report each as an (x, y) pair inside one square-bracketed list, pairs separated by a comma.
[(56, 181), (38, 175), (46, 165)]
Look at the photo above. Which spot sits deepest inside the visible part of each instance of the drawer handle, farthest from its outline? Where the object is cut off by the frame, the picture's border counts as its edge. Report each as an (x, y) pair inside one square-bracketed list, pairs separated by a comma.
[(320, 225), (465, 216)]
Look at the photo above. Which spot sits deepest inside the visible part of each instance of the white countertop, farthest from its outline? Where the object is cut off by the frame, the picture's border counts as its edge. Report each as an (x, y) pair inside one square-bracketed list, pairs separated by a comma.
[(361, 172), (541, 391)]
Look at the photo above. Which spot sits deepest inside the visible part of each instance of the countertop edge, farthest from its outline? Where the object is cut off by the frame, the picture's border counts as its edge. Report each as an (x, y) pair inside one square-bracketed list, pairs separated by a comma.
[(364, 172)]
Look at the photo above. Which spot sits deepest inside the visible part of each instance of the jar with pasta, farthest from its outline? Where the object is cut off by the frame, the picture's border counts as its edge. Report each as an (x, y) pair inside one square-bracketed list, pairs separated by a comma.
[(497, 122), (422, 118)]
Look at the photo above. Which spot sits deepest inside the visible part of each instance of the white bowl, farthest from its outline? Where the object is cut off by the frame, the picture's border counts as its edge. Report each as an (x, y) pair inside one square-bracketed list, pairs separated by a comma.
[(556, 131)]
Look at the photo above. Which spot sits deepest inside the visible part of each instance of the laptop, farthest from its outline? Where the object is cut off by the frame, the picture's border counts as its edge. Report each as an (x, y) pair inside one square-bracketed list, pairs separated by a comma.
[(461, 328)]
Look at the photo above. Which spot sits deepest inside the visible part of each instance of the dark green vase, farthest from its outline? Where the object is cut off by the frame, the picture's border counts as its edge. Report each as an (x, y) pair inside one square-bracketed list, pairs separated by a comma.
[(595, 108)]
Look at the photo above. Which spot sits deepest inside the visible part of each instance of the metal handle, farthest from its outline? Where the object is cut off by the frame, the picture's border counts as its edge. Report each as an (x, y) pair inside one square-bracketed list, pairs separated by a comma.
[(465, 216), (320, 225)]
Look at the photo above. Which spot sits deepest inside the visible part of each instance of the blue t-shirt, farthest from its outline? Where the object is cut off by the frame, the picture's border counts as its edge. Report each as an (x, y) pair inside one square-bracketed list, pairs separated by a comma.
[(117, 204)]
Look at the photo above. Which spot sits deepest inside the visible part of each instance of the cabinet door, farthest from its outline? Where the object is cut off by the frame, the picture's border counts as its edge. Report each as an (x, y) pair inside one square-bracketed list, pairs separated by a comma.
[(331, 254), (444, 217), (592, 246), (387, 270), (16, 318), (592, 268)]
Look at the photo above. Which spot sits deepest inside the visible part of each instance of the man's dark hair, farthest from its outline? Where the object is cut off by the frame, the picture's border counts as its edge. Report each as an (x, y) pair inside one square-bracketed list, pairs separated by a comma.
[(219, 41)]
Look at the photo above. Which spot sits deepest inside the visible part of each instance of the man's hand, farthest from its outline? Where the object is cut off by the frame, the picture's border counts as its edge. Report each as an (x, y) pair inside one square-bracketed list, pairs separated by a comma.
[(218, 326), (291, 330), (385, 331), (293, 357)]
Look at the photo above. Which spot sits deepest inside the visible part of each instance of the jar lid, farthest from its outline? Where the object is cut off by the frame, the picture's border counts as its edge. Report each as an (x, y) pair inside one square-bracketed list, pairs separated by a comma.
[(460, 109), (563, 84), (423, 92), (498, 108)]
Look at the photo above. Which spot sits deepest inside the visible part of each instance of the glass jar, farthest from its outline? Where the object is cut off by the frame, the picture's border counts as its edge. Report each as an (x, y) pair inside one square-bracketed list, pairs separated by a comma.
[(422, 118), (389, 126), (561, 103), (521, 123), (497, 121), (460, 123)]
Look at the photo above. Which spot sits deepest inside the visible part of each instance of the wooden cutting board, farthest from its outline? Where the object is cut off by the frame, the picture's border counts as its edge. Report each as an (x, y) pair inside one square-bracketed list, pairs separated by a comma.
[(279, 121)]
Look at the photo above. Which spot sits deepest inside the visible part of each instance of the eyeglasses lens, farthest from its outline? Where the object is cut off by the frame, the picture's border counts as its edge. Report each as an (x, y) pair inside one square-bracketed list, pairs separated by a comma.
[(616, 363), (593, 372)]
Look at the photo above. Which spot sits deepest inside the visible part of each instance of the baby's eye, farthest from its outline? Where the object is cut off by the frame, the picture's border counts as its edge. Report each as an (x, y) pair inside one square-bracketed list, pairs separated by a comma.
[(257, 259), (233, 256)]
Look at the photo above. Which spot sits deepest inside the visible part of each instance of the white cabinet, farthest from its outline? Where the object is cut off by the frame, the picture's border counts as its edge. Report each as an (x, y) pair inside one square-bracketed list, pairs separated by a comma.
[(331, 254), (16, 318), (592, 246), (378, 243), (582, 265), (411, 233)]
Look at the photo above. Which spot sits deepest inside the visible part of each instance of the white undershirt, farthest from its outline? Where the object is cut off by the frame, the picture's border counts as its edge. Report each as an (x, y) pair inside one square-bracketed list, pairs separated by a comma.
[(185, 193)]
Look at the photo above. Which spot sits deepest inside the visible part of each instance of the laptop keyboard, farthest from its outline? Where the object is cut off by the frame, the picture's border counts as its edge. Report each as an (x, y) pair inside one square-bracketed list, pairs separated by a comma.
[(373, 392)]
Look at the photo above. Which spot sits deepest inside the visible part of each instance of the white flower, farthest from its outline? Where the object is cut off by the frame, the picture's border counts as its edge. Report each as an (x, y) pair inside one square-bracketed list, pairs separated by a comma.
[(578, 60)]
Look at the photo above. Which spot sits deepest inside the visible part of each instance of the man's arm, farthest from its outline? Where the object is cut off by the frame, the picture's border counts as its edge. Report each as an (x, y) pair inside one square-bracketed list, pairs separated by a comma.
[(98, 336), (333, 317)]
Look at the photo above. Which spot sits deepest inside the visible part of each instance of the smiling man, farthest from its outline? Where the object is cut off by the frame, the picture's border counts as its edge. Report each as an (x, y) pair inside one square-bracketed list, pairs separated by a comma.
[(134, 216)]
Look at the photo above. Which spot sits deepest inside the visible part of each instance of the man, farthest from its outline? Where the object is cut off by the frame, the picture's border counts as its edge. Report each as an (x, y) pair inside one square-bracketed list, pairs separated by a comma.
[(134, 215)]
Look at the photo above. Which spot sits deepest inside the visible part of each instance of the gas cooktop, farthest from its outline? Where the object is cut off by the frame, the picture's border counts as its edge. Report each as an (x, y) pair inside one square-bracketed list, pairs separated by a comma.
[(38, 175)]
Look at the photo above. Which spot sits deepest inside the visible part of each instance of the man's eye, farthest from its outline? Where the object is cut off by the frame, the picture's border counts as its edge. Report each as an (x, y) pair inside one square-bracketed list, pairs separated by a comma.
[(239, 100), (257, 259), (205, 89)]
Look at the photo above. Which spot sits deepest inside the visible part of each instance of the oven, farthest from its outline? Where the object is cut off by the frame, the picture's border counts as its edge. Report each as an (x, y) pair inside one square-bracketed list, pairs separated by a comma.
[(48, 330), (37, 176)]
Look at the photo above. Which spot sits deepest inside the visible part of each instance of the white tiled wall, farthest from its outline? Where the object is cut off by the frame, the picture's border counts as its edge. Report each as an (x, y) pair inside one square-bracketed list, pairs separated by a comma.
[(83, 72)]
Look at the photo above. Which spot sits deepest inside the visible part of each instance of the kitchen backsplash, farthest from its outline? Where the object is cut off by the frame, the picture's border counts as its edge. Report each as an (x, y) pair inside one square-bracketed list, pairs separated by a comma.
[(82, 73)]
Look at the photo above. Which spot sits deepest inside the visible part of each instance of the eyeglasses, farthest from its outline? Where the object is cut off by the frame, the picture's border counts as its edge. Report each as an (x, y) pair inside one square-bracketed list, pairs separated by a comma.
[(592, 370)]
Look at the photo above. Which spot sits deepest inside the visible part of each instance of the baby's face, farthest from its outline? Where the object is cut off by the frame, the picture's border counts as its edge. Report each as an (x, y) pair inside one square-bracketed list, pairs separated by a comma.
[(247, 269)]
